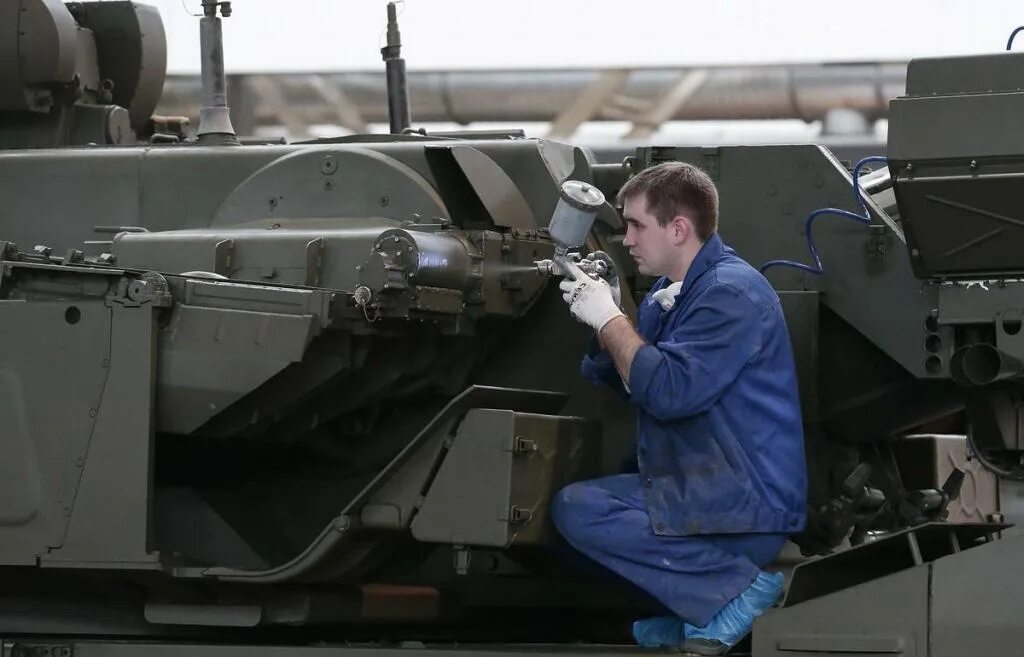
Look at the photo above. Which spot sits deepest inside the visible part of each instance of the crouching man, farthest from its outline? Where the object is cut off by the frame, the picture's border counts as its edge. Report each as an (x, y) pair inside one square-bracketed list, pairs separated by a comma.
[(709, 368)]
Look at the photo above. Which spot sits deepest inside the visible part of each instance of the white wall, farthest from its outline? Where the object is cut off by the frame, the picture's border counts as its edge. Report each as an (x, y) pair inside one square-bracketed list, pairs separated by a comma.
[(334, 35)]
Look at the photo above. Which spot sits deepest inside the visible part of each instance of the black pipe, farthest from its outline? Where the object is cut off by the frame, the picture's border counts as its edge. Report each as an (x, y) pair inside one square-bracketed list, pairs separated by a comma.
[(983, 364), (398, 90)]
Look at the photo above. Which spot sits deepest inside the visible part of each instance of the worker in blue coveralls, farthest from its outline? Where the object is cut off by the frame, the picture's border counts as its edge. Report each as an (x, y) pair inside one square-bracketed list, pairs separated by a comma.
[(709, 368)]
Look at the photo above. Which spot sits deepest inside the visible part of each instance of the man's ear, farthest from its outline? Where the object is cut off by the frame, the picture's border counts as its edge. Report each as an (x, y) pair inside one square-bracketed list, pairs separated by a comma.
[(682, 229)]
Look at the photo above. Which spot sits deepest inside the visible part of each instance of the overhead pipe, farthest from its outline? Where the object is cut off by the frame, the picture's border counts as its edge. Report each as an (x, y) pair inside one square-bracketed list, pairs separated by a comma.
[(806, 92)]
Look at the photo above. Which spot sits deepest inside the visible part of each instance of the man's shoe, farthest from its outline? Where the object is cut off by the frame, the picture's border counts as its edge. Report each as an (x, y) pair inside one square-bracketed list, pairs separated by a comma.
[(659, 632), (735, 620), (703, 647)]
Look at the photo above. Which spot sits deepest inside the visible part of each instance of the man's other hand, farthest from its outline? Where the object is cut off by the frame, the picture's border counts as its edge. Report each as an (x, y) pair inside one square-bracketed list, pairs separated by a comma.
[(591, 301)]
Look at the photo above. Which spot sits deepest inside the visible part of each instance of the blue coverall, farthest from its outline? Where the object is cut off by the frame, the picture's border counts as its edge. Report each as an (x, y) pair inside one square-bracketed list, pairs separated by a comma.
[(722, 479)]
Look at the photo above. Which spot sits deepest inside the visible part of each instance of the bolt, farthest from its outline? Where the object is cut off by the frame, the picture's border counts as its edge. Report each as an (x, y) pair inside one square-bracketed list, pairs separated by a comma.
[(974, 165), (384, 201), (92, 412), (909, 167), (79, 462)]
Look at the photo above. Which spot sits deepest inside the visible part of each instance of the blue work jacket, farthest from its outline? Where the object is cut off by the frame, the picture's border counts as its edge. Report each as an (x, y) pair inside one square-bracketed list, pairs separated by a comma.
[(719, 431)]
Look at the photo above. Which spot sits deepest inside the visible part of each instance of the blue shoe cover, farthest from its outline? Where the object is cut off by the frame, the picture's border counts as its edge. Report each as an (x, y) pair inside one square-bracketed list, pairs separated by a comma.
[(733, 622), (659, 632)]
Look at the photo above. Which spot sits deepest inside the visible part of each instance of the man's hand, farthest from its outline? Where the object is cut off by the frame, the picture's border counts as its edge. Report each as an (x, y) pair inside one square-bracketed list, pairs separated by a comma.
[(590, 300), (611, 273)]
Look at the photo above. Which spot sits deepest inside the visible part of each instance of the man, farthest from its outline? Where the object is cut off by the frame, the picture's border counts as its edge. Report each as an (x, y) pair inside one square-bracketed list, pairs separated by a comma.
[(709, 367)]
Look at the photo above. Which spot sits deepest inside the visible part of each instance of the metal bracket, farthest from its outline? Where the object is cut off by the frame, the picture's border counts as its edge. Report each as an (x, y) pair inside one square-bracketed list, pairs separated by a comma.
[(461, 558), (314, 261), (149, 288), (222, 257)]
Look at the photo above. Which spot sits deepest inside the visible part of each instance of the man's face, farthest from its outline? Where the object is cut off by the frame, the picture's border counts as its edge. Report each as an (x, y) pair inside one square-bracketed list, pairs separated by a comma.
[(653, 247)]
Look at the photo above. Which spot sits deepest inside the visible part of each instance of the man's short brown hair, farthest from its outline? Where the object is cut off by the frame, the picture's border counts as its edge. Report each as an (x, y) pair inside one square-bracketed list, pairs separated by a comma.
[(673, 189)]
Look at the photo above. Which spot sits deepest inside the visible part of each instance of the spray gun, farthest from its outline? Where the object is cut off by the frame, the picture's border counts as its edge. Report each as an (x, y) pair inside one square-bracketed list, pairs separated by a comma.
[(570, 224)]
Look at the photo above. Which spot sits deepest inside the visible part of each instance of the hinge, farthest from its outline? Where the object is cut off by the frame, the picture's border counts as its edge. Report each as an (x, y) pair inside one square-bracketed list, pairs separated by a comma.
[(519, 515), (524, 446)]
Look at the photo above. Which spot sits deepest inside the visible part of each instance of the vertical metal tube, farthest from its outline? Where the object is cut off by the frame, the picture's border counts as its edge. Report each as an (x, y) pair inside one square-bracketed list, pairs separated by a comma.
[(394, 66), (214, 116)]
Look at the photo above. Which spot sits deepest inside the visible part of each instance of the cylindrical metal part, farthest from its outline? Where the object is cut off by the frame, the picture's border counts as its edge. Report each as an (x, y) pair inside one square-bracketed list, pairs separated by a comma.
[(398, 95), (876, 181), (394, 69), (577, 207), (441, 261), (982, 364), (403, 258), (214, 116)]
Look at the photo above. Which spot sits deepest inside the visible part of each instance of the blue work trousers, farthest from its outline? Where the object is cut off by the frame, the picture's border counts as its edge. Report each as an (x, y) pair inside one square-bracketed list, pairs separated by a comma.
[(693, 576)]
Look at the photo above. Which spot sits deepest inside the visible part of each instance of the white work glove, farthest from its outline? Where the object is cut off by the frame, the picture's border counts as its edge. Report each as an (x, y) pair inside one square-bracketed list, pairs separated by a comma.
[(590, 300), (611, 273)]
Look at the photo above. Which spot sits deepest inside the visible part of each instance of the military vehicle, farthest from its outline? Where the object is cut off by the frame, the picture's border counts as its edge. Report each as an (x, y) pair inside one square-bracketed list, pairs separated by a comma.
[(315, 398)]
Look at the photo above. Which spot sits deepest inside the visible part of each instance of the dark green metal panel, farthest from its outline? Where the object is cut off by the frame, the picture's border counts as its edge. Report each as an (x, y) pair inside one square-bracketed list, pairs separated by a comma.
[(976, 601), (110, 519), (52, 446), (495, 485), (996, 72)]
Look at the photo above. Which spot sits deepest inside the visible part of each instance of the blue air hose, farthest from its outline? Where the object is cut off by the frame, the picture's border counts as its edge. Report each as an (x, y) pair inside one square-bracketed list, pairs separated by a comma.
[(863, 218), (1009, 42)]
